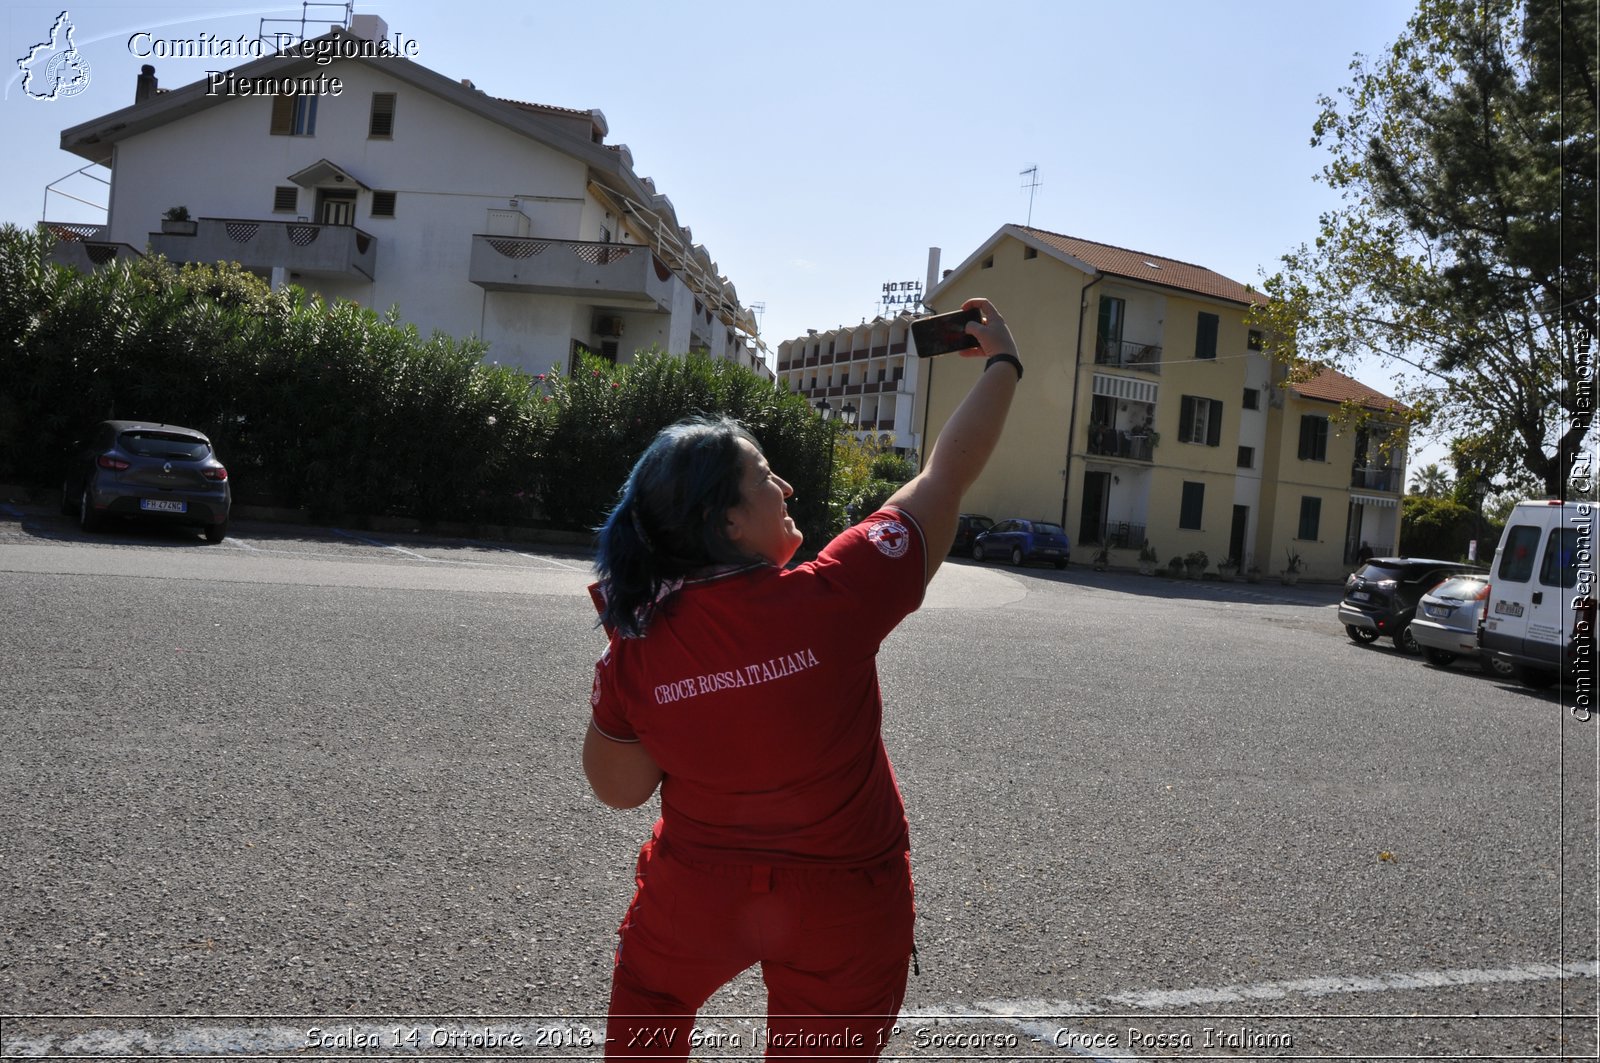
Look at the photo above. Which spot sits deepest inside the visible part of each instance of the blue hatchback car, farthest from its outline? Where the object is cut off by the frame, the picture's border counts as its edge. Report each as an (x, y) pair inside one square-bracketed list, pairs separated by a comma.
[(1022, 541)]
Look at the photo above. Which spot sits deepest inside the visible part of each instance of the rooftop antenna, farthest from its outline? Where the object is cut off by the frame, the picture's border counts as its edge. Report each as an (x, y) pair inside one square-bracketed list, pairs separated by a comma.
[(1032, 184), (758, 309)]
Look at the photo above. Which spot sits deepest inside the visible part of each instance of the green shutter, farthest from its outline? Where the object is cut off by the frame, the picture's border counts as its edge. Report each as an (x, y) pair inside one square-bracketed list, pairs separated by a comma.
[(1186, 420), (1205, 340), (1214, 424)]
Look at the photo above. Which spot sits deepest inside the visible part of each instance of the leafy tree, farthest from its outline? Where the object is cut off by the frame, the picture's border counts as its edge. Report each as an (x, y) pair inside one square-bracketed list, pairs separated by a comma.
[(1464, 247), (1439, 527), (1430, 481)]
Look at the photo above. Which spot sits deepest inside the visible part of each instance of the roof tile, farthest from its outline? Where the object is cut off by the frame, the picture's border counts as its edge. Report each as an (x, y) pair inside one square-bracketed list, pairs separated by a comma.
[(1330, 385), (1154, 269)]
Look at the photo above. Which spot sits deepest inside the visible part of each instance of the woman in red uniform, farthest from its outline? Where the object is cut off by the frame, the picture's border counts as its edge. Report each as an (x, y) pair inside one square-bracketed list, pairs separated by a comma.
[(749, 693)]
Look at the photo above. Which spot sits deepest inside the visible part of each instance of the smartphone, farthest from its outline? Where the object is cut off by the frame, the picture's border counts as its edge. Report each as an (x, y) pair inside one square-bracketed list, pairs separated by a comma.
[(943, 333)]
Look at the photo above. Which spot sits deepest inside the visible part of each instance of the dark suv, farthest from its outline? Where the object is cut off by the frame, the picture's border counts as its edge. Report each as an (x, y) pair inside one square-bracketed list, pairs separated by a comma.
[(1381, 596), (968, 527)]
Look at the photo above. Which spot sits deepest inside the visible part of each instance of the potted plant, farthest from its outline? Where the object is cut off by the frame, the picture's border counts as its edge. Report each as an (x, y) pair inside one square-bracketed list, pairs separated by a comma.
[(1228, 568), (1147, 559), (1291, 573), (1102, 558), (1175, 567), (177, 222), (1252, 571), (1195, 563)]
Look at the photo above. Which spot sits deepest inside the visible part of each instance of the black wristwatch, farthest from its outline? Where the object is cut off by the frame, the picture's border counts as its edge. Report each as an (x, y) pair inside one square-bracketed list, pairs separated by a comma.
[(1009, 359)]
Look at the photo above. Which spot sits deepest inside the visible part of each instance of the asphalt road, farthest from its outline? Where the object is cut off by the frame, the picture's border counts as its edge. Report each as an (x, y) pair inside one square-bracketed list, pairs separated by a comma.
[(313, 793)]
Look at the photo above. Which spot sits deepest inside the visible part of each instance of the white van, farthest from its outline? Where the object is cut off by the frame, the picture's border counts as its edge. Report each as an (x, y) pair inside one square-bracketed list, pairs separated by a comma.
[(1540, 613)]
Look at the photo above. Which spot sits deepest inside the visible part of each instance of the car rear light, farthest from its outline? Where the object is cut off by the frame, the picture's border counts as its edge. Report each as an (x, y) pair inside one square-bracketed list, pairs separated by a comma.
[(217, 473), (1482, 595), (106, 461)]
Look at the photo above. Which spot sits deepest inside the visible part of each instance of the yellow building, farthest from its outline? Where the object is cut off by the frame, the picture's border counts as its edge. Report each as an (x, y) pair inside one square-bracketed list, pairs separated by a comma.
[(1149, 413), (1333, 483)]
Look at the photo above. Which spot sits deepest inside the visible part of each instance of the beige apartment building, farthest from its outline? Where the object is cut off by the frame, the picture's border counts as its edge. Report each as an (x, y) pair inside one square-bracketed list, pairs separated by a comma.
[(1149, 413)]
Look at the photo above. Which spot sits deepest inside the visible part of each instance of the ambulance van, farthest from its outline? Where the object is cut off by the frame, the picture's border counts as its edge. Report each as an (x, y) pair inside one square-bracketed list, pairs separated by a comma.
[(1540, 610)]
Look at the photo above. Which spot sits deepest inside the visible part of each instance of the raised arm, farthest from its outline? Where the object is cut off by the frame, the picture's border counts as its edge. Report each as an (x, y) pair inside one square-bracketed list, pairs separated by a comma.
[(966, 441)]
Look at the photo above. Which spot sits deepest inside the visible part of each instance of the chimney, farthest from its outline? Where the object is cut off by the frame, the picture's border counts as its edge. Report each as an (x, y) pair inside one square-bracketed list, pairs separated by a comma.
[(145, 87), (933, 270), (369, 27)]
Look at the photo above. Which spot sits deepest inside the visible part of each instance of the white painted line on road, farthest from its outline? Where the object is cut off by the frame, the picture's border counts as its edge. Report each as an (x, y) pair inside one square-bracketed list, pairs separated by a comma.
[(1154, 999), (234, 540), (386, 546), (530, 557)]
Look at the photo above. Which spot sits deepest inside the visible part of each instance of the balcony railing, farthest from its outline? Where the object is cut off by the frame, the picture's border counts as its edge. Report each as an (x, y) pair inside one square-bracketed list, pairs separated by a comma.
[(1117, 443), (297, 246), (1119, 534), (1377, 478), (80, 246), (1125, 354), (570, 267)]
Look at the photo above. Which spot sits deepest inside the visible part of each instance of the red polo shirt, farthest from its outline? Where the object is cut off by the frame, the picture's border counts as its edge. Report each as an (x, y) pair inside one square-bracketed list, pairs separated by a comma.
[(756, 691)]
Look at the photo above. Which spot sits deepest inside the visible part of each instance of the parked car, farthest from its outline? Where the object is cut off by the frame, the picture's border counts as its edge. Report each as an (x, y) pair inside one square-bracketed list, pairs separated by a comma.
[(1540, 616), (968, 527), (1446, 623), (148, 471), (1381, 596), (1021, 541)]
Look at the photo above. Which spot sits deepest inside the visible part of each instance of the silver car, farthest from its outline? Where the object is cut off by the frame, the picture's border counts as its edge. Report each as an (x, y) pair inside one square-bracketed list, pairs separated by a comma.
[(144, 470), (1446, 624)]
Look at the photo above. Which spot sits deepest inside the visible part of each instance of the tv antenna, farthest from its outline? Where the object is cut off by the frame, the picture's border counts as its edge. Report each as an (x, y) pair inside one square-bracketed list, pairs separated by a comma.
[(1032, 185)]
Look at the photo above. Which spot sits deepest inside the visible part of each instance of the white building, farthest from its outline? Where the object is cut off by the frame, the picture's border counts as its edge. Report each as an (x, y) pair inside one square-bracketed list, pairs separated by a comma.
[(513, 222), (863, 373)]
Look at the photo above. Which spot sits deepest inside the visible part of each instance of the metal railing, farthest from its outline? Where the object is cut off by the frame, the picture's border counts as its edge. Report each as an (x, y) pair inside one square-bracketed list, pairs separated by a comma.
[(1377, 478), (1119, 534), (1117, 443), (1126, 354)]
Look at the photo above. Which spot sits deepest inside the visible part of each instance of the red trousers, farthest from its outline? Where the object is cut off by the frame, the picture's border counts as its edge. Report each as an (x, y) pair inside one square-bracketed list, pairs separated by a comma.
[(834, 948)]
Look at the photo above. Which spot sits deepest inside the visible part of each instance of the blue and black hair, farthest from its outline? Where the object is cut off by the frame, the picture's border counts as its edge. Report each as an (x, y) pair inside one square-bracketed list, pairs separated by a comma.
[(671, 518)]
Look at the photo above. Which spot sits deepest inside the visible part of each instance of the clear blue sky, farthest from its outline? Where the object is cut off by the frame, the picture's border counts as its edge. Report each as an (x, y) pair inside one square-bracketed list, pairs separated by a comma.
[(818, 150)]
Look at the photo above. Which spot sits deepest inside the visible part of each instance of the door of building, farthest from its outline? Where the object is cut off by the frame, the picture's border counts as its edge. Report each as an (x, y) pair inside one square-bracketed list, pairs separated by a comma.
[(336, 206), (1096, 497), (1237, 535)]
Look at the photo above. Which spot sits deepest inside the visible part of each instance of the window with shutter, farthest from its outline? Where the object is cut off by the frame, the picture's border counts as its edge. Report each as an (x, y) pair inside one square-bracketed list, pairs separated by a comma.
[(1313, 438), (1194, 498), (382, 122), (1200, 421), (383, 204), (294, 116), (1310, 516), (1205, 339), (286, 198)]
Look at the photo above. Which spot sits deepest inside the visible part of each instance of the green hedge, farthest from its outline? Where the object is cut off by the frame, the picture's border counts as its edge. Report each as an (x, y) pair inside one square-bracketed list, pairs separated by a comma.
[(331, 407)]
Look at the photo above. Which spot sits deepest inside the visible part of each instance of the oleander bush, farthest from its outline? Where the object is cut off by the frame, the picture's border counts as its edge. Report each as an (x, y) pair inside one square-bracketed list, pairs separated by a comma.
[(335, 408)]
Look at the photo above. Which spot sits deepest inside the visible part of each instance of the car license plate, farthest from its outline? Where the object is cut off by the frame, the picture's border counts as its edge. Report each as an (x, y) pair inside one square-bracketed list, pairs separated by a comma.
[(1360, 596), (1505, 608), (162, 505)]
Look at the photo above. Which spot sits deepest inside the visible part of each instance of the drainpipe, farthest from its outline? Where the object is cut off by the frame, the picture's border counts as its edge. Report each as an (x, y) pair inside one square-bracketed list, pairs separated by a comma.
[(1072, 417)]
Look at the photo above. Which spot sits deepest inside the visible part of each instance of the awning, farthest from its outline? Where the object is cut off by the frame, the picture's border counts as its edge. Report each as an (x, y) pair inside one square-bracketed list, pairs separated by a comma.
[(1374, 500), (324, 172)]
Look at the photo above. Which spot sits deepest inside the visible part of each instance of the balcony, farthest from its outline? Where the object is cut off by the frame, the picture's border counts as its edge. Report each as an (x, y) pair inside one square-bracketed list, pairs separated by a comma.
[(1117, 443), (1378, 478), (627, 274), (308, 248), (79, 246), (1125, 354)]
